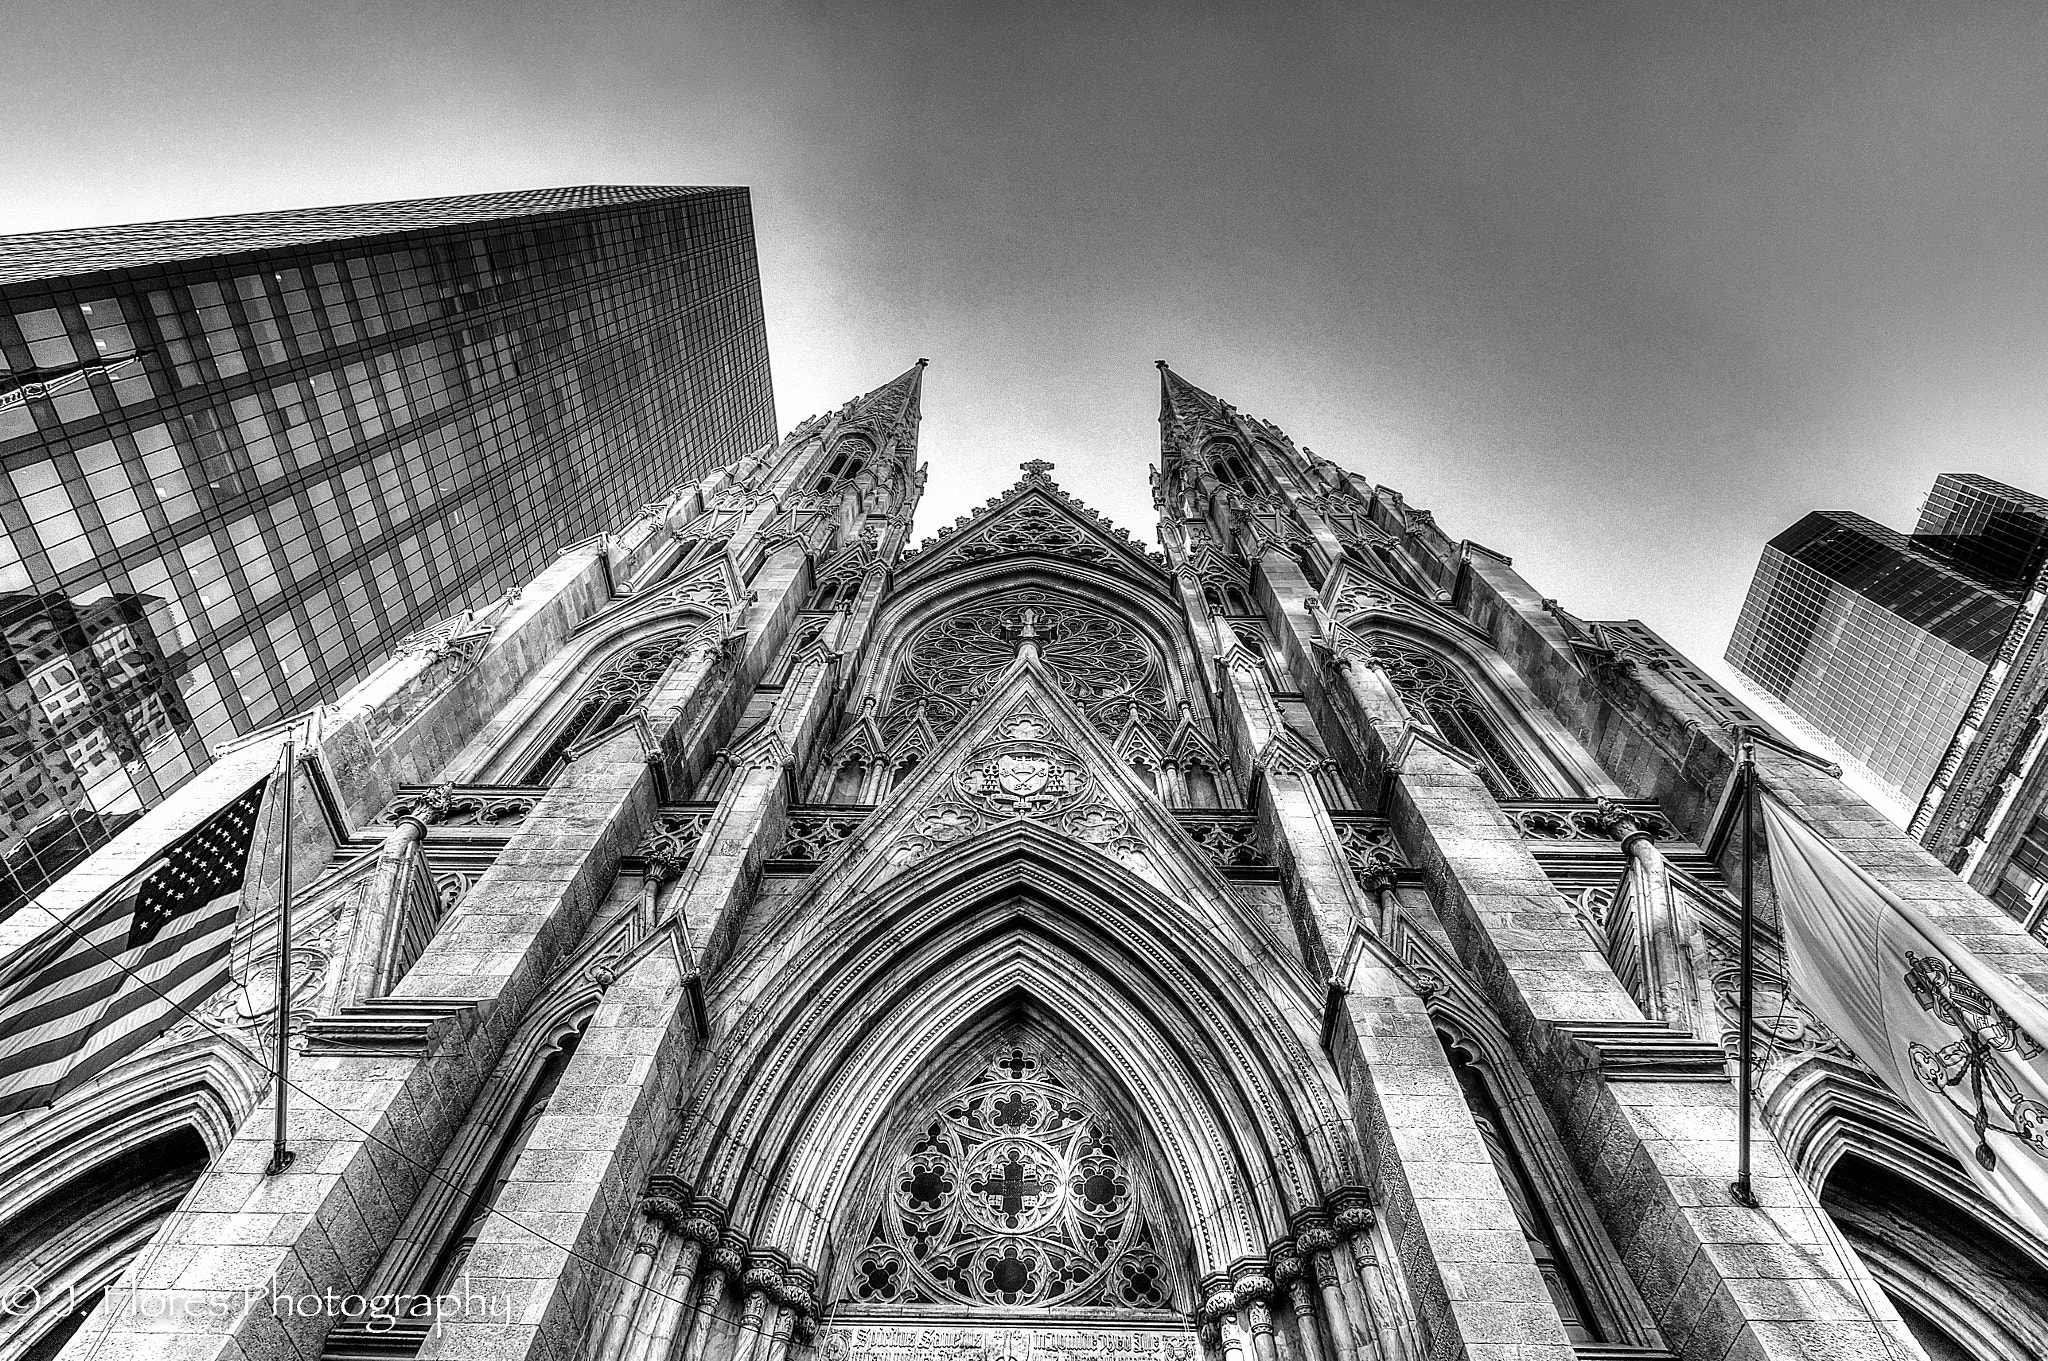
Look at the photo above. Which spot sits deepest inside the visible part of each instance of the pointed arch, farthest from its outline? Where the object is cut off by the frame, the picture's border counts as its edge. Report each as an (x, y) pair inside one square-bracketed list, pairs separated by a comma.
[(1216, 1050), (1479, 705), (1007, 1177), (87, 1184), (1151, 621), (592, 686)]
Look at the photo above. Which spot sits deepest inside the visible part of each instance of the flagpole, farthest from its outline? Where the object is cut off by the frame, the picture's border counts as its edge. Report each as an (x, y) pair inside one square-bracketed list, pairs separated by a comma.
[(280, 1155), (1745, 1042)]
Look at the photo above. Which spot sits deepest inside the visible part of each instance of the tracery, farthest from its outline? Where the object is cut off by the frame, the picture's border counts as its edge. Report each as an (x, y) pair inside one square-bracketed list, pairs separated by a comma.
[(1431, 684), (1101, 663), (621, 683), (1014, 1192)]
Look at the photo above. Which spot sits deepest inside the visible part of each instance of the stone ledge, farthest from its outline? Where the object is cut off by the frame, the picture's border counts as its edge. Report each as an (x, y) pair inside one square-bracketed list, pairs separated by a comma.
[(1644, 1051), (390, 1027)]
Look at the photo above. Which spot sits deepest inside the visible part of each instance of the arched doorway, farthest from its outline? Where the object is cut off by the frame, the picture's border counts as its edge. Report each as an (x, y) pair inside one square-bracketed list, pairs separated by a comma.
[(71, 1243), (1965, 1291)]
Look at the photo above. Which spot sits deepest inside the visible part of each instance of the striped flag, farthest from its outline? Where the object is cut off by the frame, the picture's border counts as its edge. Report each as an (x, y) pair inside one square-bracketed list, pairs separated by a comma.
[(127, 967)]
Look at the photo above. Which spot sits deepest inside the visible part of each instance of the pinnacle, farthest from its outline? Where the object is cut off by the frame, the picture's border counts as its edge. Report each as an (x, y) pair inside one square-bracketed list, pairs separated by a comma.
[(1181, 400), (880, 409)]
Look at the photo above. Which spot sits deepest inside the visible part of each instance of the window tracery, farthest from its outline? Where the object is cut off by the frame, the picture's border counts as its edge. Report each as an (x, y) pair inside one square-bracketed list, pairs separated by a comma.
[(849, 458), (1101, 663), (619, 686), (1432, 685), (1014, 1193)]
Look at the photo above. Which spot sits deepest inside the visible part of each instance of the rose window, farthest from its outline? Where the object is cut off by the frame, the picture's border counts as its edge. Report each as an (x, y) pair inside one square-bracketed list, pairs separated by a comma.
[(1101, 663), (1014, 1193)]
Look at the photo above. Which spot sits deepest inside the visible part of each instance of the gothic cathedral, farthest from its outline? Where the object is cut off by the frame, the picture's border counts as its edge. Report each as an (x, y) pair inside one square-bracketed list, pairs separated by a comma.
[(761, 938)]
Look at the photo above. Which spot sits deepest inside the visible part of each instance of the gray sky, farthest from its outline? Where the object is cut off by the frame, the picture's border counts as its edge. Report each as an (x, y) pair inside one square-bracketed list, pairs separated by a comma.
[(1617, 290)]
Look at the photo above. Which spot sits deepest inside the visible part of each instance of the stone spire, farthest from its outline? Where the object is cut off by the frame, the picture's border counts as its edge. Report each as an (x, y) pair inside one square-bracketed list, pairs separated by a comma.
[(891, 409), (1181, 401)]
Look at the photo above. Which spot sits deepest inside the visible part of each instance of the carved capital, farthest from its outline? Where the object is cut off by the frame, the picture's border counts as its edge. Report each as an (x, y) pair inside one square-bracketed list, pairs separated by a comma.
[(664, 1207), (700, 1229), (1219, 1305), (1316, 1240), (1251, 1288), (1352, 1212)]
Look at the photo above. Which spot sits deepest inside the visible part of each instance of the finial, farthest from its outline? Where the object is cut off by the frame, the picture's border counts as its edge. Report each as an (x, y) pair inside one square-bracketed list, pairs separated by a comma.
[(1037, 467), (922, 362), (1159, 363)]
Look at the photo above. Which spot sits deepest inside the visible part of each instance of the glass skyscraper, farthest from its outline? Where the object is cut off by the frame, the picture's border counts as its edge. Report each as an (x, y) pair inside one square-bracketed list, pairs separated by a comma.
[(1876, 644), (246, 456), (1924, 658)]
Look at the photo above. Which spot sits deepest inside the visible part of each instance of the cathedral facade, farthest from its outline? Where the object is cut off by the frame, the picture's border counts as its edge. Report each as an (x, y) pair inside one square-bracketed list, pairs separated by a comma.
[(762, 939)]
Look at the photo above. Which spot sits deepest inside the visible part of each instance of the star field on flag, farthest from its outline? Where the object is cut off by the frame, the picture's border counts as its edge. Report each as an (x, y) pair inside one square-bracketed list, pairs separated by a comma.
[(129, 965)]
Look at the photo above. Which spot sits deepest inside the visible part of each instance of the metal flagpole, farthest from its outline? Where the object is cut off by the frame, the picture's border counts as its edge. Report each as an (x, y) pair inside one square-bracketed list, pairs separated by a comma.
[(280, 1155), (1745, 1043)]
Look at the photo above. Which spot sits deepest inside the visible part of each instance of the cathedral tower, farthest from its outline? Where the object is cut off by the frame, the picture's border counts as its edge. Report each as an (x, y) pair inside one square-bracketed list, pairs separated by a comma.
[(759, 939)]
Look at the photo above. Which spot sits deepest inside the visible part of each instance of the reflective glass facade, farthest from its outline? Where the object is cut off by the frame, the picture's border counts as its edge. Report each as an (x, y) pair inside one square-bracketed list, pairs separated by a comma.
[(1879, 640), (245, 457)]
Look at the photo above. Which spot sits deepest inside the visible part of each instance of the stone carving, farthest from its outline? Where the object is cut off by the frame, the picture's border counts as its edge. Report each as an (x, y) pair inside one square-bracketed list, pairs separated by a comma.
[(814, 835), (1014, 1193), (463, 806), (1026, 776), (1100, 661), (1591, 820), (674, 839), (1098, 824), (1229, 842), (940, 1343), (1370, 850)]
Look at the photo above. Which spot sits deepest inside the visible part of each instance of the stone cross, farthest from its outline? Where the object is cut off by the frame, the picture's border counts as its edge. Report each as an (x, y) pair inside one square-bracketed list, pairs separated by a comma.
[(1037, 467)]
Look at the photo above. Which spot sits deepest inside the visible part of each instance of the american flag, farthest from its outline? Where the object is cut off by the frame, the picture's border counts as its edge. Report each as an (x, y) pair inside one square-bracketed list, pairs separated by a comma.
[(128, 966)]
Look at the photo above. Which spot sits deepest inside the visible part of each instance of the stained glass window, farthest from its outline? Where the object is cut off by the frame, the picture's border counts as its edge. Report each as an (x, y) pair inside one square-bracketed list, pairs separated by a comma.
[(1013, 1192)]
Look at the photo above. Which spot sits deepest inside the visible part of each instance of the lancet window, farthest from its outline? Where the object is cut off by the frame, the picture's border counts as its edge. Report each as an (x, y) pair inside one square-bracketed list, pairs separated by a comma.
[(1101, 662), (1013, 1192), (448, 1269), (1560, 1276), (849, 457), (1441, 693), (1232, 468), (618, 687)]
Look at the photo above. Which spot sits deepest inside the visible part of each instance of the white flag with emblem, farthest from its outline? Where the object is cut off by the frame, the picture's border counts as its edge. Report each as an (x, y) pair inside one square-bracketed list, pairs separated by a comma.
[(1958, 1040)]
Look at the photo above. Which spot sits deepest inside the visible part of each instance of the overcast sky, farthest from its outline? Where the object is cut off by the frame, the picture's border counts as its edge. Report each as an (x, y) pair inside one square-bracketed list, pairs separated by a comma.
[(1619, 291)]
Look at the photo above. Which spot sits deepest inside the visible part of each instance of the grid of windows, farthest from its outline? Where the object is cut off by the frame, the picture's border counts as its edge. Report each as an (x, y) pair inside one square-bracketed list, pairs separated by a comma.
[(2022, 889), (265, 468), (1886, 687)]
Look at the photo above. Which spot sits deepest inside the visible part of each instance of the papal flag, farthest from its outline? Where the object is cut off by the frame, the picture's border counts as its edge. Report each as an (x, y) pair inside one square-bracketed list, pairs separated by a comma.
[(125, 968), (1957, 1039)]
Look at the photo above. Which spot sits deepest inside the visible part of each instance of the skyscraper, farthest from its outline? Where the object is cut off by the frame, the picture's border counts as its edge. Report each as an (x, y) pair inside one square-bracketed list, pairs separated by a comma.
[(1922, 658), (246, 456)]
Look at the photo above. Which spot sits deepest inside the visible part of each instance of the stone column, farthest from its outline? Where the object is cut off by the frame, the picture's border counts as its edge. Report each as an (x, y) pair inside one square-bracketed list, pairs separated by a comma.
[(759, 1283), (654, 1332), (1219, 1311), (1316, 1240), (727, 1262), (652, 1240), (1290, 1276), (1252, 1292)]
